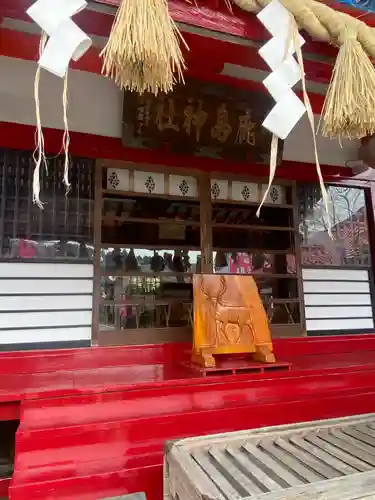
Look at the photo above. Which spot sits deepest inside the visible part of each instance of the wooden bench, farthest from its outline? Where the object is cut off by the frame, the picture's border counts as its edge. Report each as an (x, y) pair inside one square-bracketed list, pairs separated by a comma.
[(321, 460)]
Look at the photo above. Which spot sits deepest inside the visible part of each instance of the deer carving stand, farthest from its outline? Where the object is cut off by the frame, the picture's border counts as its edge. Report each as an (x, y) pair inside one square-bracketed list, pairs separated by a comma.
[(229, 318)]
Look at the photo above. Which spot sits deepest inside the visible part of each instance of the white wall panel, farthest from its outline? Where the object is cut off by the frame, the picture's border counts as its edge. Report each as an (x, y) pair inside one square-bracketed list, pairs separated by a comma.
[(339, 299), (335, 274), (339, 324), (338, 312), (95, 103), (46, 286), (43, 319), (43, 270), (57, 308), (299, 146), (336, 287), (45, 335), (45, 302)]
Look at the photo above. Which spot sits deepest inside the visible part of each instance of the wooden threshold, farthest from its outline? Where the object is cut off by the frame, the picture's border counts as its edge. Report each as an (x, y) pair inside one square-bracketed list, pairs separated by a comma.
[(141, 336)]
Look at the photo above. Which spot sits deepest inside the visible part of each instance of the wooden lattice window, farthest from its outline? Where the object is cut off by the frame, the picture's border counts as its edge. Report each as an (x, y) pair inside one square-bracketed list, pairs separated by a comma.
[(64, 227)]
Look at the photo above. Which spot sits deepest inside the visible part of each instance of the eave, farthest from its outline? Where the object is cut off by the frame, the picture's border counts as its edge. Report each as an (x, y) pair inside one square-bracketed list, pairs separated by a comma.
[(235, 36)]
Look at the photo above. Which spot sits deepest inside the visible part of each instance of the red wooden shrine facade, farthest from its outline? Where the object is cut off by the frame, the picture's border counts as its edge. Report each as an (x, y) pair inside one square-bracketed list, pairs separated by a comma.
[(105, 265)]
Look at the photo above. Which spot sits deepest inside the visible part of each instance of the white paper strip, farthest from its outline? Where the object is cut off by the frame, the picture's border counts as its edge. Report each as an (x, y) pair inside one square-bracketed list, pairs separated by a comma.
[(68, 42), (285, 115), (48, 14), (283, 78), (276, 19), (286, 72), (274, 51)]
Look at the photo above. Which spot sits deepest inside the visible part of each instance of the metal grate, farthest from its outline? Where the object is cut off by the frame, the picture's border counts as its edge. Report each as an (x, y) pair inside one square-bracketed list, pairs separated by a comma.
[(65, 220), (240, 466)]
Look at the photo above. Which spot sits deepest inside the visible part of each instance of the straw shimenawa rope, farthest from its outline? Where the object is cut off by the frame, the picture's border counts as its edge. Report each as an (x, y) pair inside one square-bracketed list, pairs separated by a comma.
[(349, 108), (320, 21)]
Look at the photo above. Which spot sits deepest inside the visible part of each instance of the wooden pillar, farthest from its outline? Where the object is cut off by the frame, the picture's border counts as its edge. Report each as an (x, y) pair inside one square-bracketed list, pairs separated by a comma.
[(97, 247), (205, 223), (298, 257)]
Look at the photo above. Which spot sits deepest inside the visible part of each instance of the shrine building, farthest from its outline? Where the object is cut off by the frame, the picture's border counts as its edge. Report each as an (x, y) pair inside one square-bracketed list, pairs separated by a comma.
[(96, 309)]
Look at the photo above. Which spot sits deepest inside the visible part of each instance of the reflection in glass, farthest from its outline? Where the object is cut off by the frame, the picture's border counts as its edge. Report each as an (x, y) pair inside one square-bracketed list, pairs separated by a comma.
[(49, 249), (348, 218), (280, 299), (245, 215), (143, 260), (253, 263), (146, 301), (154, 222), (122, 209)]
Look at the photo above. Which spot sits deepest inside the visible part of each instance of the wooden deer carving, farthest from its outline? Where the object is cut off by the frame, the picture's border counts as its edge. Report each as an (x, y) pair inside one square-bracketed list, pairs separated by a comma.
[(229, 318)]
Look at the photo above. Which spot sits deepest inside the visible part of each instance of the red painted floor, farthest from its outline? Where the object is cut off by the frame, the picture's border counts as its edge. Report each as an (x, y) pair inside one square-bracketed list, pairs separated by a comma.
[(30, 375), (94, 421)]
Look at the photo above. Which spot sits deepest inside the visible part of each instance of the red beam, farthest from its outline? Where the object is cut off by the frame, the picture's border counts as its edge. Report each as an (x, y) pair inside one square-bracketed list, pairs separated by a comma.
[(17, 136), (204, 49), (208, 14), (204, 53), (21, 45)]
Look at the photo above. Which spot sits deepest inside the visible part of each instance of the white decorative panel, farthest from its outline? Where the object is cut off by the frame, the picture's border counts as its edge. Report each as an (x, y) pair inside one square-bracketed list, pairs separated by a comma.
[(14, 270), (183, 185), (337, 299), (245, 191), (335, 274), (339, 324), (148, 182), (45, 302), (118, 179), (340, 312), (28, 336), (219, 189), (42, 319), (336, 286), (276, 196), (37, 286), (49, 302)]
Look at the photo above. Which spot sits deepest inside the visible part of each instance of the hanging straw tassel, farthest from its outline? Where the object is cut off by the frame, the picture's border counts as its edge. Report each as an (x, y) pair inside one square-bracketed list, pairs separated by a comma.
[(66, 136), (38, 155), (143, 53), (349, 106)]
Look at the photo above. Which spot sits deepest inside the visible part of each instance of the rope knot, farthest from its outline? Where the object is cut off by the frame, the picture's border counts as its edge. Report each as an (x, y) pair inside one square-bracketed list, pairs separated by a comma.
[(347, 34)]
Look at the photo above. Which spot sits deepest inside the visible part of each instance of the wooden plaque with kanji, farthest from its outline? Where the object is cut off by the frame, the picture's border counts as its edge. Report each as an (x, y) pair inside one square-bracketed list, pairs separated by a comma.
[(199, 119)]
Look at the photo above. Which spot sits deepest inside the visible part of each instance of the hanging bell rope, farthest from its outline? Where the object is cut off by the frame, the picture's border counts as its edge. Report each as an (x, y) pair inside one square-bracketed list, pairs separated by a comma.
[(349, 108), (143, 52)]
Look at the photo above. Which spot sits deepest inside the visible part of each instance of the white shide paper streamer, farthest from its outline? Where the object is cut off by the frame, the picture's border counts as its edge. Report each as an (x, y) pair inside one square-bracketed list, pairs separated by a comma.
[(65, 41), (286, 72), (278, 54)]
